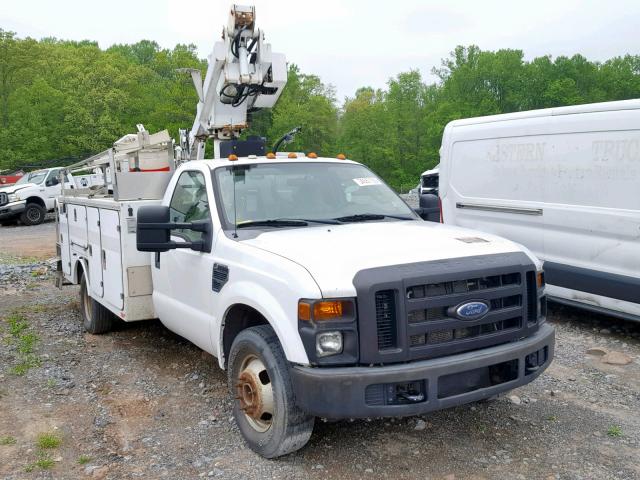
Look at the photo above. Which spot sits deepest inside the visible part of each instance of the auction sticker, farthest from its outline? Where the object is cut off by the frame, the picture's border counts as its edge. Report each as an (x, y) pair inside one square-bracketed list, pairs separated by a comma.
[(367, 181)]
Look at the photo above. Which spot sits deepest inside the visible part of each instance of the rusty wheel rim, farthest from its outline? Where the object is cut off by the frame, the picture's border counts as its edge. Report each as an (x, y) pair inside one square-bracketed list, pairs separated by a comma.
[(254, 393)]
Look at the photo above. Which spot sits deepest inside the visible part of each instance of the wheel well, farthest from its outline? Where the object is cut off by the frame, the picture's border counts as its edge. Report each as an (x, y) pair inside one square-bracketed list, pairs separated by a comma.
[(37, 200), (79, 271), (238, 318)]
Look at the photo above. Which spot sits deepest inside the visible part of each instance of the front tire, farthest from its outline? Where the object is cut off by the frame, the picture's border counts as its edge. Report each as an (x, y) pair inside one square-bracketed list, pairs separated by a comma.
[(264, 404), (33, 214), (95, 317)]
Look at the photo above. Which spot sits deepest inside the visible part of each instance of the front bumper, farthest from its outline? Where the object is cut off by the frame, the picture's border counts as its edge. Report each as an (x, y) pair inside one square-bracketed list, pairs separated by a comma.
[(346, 392), (11, 210)]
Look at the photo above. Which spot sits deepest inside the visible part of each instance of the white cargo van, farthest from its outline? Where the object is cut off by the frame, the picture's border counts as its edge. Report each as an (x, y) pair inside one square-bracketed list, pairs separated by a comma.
[(564, 182)]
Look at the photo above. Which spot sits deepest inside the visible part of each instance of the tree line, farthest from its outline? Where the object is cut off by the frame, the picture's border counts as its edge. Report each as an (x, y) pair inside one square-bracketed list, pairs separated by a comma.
[(65, 100)]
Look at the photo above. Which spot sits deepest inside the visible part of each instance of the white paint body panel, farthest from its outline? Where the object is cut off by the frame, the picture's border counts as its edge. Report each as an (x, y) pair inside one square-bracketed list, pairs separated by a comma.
[(95, 252), (579, 167)]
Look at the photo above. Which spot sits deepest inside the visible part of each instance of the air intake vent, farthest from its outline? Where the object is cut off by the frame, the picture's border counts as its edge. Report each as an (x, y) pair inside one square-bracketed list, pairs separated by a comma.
[(532, 297), (386, 319), (220, 277)]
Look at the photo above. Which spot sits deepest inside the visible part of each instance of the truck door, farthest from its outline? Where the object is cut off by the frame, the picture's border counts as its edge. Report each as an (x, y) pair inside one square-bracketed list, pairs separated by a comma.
[(182, 280)]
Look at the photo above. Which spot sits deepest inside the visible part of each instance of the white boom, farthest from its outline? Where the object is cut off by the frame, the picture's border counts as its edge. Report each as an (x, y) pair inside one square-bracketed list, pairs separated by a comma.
[(243, 75)]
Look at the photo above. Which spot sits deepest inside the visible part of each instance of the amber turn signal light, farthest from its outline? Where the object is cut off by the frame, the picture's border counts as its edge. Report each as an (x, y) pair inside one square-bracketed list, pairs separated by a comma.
[(232, 157), (341, 156), (271, 155), (322, 310), (312, 155), (540, 279), (292, 155)]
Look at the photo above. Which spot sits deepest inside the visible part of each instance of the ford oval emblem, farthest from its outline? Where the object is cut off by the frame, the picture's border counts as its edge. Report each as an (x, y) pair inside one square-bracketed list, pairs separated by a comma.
[(472, 310)]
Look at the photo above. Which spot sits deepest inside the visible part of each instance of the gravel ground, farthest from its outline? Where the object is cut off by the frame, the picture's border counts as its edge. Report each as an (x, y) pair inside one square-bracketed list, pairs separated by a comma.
[(143, 403)]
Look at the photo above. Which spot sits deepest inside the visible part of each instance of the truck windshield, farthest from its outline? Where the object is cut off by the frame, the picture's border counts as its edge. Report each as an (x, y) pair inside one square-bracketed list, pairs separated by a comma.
[(281, 194), (33, 177)]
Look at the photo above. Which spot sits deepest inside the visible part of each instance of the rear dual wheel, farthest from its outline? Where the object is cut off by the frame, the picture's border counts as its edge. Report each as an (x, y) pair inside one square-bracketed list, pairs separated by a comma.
[(264, 404), (95, 317)]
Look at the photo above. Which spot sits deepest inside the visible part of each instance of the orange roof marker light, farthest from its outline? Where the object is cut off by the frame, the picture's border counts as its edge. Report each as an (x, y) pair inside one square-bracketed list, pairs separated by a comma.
[(232, 157), (341, 156), (271, 155), (292, 155), (312, 155)]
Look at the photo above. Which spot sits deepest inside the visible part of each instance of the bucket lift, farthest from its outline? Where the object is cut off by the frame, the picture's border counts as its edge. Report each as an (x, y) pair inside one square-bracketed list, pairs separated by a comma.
[(243, 75)]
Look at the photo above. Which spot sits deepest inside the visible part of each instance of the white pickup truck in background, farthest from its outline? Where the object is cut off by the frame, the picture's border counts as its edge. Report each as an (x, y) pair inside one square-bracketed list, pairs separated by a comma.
[(29, 199)]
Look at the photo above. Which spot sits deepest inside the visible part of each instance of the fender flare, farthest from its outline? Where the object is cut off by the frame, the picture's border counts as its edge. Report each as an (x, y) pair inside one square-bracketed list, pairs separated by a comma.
[(75, 271), (267, 306)]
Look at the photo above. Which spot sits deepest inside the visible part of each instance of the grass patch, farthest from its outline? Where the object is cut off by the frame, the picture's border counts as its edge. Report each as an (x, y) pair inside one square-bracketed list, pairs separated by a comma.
[(48, 440), (43, 463), (614, 431), (24, 341), (8, 440), (84, 459)]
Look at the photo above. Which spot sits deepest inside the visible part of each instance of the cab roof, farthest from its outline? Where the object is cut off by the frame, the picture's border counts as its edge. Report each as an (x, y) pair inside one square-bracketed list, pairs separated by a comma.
[(280, 158)]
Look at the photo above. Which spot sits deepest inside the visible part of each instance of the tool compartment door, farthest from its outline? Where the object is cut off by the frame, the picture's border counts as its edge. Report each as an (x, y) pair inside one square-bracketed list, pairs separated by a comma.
[(95, 252), (111, 258), (77, 218)]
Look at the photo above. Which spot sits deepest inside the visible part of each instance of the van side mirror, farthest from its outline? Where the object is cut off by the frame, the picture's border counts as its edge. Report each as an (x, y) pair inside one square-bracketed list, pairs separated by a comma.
[(52, 181), (429, 209), (153, 231)]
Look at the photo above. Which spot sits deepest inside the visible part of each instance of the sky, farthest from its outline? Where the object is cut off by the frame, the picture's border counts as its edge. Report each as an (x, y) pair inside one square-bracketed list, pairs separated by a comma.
[(349, 43)]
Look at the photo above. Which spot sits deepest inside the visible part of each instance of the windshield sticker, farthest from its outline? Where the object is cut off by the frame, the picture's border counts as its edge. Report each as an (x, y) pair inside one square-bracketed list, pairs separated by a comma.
[(367, 181)]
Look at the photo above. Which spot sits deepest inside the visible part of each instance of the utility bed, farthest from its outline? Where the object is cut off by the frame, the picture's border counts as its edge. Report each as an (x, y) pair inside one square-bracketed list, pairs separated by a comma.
[(97, 226)]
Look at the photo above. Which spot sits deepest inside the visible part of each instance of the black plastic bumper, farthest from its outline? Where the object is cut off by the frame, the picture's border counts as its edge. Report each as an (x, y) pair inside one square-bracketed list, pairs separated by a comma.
[(344, 393), (11, 211)]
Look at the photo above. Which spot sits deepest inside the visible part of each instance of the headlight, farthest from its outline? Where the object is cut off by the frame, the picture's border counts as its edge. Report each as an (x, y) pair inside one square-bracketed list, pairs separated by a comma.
[(328, 343), (13, 197)]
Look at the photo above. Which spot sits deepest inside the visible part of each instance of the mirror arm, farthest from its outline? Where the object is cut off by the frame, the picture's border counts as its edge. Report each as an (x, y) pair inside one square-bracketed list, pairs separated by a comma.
[(197, 227)]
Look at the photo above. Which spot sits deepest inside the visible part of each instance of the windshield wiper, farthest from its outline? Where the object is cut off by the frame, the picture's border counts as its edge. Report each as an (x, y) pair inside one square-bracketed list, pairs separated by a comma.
[(364, 217), (273, 223)]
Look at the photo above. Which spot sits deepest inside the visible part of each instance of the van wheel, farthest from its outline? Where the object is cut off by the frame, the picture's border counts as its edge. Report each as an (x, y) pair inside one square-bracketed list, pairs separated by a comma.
[(264, 405), (95, 317), (33, 215)]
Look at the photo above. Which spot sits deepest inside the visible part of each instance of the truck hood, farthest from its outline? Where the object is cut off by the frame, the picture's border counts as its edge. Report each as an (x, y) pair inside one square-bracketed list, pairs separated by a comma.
[(15, 188), (333, 254)]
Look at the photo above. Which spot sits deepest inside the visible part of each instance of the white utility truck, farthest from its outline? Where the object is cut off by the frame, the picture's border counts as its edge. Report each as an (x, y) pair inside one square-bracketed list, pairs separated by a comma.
[(316, 287), (564, 182), (31, 197)]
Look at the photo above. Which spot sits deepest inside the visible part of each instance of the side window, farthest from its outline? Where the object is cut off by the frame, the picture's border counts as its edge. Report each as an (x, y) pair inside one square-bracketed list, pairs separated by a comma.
[(189, 203)]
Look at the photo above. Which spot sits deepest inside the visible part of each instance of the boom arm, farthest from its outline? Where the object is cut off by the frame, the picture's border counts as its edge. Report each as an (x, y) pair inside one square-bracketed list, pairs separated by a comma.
[(243, 75)]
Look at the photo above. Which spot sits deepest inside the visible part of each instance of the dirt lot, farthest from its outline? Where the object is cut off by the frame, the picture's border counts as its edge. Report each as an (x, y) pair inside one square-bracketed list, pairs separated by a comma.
[(143, 403)]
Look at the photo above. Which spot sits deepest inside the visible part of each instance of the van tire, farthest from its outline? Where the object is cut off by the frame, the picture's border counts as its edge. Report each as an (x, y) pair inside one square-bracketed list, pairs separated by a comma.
[(289, 428), (33, 214), (95, 317)]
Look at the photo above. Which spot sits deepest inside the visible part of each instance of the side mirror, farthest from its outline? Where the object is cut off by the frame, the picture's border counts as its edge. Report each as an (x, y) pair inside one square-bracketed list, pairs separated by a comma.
[(52, 181), (429, 209), (153, 232)]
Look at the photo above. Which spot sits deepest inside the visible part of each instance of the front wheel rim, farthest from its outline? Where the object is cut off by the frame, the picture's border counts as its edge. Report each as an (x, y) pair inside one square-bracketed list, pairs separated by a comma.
[(33, 214), (254, 392)]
